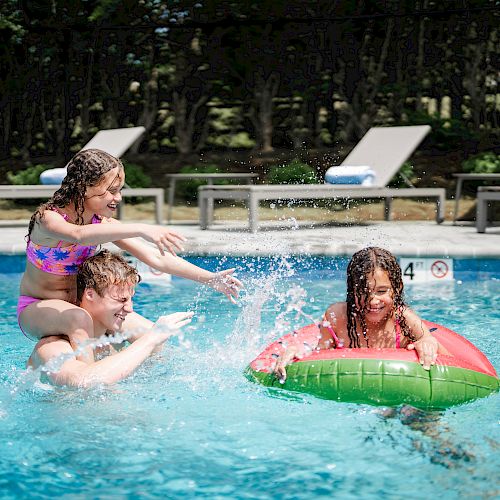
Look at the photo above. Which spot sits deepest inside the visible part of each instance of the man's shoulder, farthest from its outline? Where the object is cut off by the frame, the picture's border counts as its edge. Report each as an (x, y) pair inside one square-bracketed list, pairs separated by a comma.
[(48, 348)]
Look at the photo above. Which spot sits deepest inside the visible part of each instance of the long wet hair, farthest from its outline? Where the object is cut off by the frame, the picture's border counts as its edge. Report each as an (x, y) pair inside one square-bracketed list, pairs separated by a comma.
[(84, 170), (362, 264)]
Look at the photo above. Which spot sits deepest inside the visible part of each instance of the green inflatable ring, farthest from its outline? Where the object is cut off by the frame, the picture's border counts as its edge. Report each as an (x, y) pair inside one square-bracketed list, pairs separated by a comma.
[(386, 377)]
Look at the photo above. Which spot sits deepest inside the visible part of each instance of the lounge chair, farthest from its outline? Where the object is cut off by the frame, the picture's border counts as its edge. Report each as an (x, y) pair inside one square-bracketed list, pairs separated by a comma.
[(113, 141), (485, 196), (383, 149)]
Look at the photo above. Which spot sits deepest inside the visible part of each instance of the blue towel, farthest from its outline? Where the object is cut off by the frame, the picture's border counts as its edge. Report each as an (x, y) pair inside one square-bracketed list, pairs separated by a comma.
[(362, 175), (53, 176)]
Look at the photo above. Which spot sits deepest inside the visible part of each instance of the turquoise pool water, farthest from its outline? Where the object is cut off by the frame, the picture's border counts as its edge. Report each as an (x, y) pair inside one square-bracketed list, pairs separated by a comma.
[(188, 424)]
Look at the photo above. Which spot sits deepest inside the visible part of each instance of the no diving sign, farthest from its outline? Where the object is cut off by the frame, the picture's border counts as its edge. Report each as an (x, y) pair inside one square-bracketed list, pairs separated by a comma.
[(427, 269)]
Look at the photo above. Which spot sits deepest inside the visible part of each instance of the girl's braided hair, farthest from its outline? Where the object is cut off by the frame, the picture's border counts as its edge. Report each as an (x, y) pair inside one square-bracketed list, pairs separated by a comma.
[(84, 170), (362, 264)]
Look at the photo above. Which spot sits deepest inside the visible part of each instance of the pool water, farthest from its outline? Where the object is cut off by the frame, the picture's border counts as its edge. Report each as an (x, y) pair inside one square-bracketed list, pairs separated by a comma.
[(188, 424)]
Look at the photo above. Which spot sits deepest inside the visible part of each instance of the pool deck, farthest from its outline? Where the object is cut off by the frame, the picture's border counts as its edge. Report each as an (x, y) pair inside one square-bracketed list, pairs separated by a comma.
[(412, 238)]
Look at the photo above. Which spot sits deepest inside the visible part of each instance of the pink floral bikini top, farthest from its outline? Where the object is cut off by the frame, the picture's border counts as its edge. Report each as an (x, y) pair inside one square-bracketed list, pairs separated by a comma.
[(63, 261)]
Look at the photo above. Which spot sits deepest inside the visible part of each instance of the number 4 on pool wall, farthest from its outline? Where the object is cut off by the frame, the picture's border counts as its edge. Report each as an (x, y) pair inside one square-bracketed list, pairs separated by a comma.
[(429, 269), (409, 271)]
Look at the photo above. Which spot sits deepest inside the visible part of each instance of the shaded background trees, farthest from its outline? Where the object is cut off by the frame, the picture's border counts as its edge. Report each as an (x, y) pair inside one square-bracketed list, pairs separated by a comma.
[(220, 74)]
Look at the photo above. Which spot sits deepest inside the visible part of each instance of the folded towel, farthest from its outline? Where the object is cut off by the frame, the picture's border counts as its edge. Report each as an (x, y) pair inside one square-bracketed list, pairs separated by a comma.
[(53, 176), (359, 174)]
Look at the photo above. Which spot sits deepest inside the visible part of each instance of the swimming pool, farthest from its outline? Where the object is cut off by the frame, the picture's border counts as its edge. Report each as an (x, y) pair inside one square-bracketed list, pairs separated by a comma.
[(190, 425)]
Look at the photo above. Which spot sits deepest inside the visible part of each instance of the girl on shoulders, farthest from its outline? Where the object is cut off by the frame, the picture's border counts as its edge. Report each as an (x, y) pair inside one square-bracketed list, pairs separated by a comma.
[(66, 230)]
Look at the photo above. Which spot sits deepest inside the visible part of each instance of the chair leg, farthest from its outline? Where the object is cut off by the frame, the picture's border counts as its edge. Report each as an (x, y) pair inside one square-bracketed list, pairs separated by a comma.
[(203, 209), (171, 196), (253, 213), (481, 215), (387, 208), (440, 208)]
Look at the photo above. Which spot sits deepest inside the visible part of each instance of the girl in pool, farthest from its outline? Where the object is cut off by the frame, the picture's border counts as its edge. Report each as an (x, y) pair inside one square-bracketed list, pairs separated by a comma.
[(65, 231), (374, 314)]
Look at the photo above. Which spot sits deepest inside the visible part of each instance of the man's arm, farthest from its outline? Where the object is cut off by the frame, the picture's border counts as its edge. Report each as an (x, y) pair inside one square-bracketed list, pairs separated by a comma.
[(74, 373)]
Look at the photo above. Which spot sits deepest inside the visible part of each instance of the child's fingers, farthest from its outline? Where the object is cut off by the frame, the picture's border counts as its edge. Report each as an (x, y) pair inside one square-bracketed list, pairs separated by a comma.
[(281, 374), (161, 247), (166, 244), (231, 298), (180, 324), (227, 271), (236, 282), (176, 235), (232, 279), (175, 243), (179, 316)]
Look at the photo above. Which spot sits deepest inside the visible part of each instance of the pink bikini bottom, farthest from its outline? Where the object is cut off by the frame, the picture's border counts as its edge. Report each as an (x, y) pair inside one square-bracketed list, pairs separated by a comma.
[(23, 302)]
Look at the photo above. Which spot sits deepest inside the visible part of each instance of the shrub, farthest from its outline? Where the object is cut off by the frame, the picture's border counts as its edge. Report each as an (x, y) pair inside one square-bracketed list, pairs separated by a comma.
[(398, 180), (294, 172), (188, 189), (483, 163), (135, 176), (30, 175), (446, 134)]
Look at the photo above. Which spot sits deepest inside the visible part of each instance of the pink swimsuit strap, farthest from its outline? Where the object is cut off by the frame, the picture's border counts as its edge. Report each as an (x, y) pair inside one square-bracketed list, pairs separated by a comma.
[(398, 334), (340, 345)]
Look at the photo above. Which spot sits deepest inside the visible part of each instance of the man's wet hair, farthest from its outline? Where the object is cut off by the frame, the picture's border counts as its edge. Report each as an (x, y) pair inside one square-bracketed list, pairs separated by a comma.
[(102, 270)]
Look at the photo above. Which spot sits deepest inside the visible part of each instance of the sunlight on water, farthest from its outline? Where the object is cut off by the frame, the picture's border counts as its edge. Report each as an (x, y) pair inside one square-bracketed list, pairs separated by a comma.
[(188, 423)]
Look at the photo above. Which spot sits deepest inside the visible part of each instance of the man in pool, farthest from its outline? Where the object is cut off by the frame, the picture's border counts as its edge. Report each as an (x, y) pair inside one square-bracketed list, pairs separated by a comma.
[(105, 287)]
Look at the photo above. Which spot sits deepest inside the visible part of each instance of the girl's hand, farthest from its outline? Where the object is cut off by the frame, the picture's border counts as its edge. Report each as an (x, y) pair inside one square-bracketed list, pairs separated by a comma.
[(288, 355), (226, 283), (163, 238), (427, 350)]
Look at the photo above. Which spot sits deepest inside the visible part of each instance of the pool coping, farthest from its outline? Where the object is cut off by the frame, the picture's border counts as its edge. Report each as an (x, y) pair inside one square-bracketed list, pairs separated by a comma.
[(404, 238)]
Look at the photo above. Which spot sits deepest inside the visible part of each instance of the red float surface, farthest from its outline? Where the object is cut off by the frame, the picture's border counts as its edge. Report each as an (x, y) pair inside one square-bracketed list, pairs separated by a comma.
[(464, 354)]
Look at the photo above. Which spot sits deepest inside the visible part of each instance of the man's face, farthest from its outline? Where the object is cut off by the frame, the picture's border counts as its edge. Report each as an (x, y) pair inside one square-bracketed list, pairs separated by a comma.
[(109, 310)]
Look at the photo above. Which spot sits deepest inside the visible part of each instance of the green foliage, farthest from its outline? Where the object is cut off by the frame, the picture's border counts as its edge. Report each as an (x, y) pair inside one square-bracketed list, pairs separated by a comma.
[(295, 172), (484, 163), (446, 133), (188, 189), (135, 176), (240, 140), (227, 123), (406, 171), (30, 175)]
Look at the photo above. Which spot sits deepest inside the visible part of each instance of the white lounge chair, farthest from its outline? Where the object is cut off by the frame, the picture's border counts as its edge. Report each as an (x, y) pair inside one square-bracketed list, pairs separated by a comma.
[(114, 141), (383, 149)]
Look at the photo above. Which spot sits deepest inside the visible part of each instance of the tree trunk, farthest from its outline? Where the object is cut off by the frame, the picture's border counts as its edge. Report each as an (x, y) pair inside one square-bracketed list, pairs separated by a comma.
[(147, 118), (185, 120), (420, 59), (264, 93), (28, 114), (87, 89)]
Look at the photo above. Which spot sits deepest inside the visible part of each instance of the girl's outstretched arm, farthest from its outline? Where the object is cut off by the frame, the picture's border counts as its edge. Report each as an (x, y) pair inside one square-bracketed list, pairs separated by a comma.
[(325, 340), (222, 281), (54, 226)]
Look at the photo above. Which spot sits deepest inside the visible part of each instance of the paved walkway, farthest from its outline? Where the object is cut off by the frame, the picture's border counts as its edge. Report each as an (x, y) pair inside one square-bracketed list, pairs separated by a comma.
[(402, 238)]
